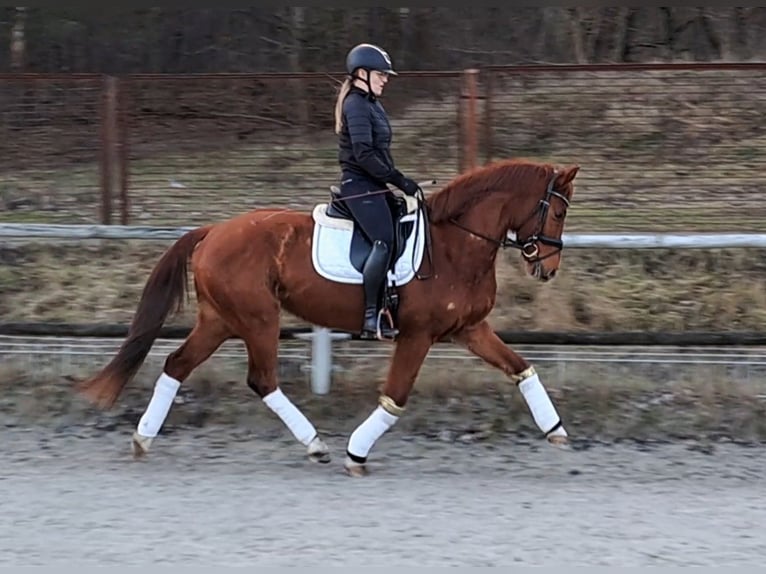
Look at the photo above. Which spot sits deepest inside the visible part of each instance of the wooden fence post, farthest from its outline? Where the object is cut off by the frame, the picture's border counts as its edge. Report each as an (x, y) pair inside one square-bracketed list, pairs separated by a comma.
[(488, 144), (123, 150), (108, 143), (468, 123)]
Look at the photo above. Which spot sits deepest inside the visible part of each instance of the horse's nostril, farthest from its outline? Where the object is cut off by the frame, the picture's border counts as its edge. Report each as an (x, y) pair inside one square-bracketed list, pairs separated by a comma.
[(551, 274)]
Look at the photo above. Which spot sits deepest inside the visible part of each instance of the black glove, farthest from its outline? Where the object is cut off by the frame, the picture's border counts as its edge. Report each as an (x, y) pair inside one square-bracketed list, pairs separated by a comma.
[(407, 185)]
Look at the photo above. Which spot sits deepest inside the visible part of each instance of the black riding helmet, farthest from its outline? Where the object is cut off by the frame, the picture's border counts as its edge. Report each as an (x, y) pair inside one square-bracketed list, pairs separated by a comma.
[(368, 57)]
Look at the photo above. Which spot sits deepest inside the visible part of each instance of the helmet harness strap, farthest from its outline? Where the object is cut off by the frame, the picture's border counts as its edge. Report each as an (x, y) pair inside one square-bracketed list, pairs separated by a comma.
[(365, 80)]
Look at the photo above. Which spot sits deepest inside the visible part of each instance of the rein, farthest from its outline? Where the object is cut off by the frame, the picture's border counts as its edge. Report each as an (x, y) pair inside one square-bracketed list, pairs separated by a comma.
[(528, 246)]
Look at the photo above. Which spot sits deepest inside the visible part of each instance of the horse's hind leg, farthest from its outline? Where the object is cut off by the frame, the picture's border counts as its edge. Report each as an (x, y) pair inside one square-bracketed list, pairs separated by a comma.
[(262, 344), (482, 341), (207, 335)]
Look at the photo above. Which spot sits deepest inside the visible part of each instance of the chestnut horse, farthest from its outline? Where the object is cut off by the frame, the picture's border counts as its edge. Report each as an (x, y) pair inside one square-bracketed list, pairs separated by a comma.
[(248, 268)]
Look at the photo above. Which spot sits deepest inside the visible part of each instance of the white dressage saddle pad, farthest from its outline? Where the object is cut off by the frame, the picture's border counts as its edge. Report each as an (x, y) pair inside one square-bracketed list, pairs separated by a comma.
[(331, 246)]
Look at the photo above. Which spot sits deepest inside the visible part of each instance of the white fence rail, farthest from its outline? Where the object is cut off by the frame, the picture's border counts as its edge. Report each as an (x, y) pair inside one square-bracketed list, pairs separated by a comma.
[(576, 240)]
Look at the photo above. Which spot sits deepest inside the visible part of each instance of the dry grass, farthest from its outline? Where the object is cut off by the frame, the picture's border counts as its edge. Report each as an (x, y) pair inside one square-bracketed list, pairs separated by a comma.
[(613, 290), (608, 290), (664, 151), (447, 403)]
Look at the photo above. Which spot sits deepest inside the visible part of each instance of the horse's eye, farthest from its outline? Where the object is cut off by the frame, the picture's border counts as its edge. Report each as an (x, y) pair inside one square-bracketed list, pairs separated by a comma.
[(559, 215)]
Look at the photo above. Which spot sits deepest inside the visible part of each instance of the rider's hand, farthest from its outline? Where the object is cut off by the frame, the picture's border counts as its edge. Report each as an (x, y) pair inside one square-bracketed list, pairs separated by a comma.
[(411, 187), (407, 185)]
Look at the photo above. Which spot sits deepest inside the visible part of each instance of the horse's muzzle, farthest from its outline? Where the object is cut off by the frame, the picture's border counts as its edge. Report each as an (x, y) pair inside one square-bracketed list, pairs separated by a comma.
[(540, 273)]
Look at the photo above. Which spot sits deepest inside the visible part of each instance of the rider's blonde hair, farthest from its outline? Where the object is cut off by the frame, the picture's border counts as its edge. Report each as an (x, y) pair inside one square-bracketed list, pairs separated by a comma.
[(342, 93)]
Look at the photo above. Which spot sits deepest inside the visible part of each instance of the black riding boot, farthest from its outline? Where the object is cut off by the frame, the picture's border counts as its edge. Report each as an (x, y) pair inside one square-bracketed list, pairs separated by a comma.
[(374, 273)]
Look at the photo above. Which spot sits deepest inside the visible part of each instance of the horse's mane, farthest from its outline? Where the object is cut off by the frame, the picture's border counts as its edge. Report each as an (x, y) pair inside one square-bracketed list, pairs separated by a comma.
[(470, 187)]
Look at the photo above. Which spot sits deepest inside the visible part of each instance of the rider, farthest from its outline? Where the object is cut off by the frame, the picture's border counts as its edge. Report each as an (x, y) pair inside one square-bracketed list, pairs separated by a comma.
[(367, 167)]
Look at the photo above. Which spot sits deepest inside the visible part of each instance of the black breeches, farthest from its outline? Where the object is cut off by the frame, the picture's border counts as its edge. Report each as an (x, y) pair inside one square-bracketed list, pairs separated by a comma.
[(371, 210)]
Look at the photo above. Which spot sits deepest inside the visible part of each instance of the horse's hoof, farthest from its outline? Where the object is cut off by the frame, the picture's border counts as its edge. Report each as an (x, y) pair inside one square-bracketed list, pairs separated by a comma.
[(139, 445), (560, 442), (318, 451), (355, 469), (320, 457)]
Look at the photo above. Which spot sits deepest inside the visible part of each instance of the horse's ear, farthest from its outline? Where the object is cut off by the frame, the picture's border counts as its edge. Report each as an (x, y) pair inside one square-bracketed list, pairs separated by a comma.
[(566, 175)]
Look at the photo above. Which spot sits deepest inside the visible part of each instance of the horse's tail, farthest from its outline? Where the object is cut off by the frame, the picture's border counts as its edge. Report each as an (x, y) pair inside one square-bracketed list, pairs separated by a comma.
[(164, 289)]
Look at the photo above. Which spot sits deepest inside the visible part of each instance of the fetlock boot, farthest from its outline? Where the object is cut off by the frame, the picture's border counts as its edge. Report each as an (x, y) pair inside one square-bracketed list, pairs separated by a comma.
[(374, 273)]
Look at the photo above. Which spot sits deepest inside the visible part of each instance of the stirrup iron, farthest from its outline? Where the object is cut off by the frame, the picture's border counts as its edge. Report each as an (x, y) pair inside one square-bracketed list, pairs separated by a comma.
[(393, 332)]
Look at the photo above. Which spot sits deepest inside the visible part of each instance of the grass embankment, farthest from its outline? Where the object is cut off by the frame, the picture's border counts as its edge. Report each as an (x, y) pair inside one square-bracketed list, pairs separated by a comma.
[(609, 290)]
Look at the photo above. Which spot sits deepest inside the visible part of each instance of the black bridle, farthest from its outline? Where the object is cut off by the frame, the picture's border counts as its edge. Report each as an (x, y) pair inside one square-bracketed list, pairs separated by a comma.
[(529, 246)]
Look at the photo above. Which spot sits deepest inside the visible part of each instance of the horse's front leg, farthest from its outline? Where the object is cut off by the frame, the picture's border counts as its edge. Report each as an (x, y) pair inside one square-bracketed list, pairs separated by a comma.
[(482, 341), (408, 357)]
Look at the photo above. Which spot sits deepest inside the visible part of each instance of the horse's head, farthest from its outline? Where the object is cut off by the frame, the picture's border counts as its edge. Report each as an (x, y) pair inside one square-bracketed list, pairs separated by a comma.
[(537, 222), (512, 203)]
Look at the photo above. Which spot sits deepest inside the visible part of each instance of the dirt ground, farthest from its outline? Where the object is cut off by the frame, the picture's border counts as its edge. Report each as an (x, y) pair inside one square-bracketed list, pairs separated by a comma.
[(660, 474), (667, 467), (218, 496)]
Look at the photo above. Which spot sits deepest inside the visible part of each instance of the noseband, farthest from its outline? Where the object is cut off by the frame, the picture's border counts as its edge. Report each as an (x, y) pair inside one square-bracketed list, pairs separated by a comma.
[(529, 246)]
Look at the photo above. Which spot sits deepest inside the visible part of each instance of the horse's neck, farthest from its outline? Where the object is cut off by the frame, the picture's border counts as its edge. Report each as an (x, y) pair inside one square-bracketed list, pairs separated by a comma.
[(473, 242)]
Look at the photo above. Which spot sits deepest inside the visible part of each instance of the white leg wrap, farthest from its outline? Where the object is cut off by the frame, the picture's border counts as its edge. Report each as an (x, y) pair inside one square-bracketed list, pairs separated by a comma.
[(541, 407), (165, 390), (366, 434), (293, 418)]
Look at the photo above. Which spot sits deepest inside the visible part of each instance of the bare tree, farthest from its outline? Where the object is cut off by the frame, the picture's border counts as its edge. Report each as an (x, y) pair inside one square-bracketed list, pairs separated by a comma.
[(297, 20), (264, 40), (621, 33), (18, 40)]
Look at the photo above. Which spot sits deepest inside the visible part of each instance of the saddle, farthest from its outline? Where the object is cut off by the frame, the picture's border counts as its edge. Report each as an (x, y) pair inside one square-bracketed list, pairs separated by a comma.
[(361, 246)]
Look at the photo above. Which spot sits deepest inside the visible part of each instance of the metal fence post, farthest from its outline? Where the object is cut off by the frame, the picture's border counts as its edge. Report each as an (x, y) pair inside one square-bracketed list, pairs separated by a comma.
[(321, 357), (321, 361)]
